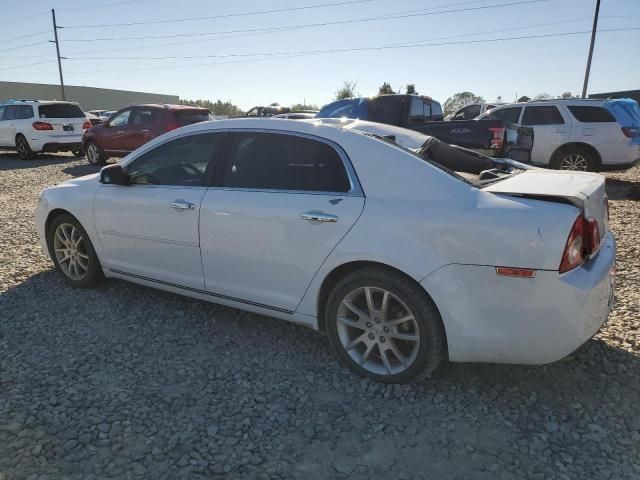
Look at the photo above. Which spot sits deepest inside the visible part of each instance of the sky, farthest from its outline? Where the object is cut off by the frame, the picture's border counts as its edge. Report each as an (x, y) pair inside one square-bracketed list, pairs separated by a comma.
[(239, 56)]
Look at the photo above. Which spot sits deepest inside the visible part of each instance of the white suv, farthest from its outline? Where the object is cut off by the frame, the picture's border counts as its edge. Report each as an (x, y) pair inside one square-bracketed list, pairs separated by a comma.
[(578, 134), (32, 126)]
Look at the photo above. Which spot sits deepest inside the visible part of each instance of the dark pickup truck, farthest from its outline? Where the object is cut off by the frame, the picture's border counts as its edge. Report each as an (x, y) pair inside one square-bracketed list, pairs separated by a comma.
[(424, 115)]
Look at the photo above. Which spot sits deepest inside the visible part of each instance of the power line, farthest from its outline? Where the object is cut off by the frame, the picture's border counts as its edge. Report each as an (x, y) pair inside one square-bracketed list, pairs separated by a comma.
[(339, 50), (229, 15), (22, 46), (28, 35), (406, 14), (27, 65)]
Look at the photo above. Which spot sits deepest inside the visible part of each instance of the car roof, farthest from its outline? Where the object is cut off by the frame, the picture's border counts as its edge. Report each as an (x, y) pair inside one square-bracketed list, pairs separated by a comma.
[(167, 106), (18, 101)]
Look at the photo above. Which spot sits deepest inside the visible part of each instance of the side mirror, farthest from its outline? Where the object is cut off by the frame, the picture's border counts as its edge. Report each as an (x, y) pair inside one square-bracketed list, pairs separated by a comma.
[(114, 175)]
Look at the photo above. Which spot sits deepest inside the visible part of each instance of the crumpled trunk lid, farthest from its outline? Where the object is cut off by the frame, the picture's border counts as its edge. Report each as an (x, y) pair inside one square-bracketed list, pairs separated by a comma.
[(582, 189)]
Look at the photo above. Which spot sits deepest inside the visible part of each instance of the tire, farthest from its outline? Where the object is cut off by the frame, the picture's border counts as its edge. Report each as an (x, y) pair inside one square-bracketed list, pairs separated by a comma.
[(368, 343), (95, 155), (23, 148), (66, 236), (574, 159)]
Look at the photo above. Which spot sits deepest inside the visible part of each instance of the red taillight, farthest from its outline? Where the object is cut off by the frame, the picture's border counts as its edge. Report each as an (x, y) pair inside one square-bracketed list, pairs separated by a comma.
[(583, 241), (172, 126), (86, 124), (42, 126), (497, 138), (631, 131)]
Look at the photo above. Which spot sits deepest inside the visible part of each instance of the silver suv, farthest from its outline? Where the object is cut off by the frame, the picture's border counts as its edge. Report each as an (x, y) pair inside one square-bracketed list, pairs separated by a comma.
[(34, 126)]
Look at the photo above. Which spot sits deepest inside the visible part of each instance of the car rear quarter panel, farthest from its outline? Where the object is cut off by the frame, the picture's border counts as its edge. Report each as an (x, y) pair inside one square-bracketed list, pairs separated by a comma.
[(418, 218)]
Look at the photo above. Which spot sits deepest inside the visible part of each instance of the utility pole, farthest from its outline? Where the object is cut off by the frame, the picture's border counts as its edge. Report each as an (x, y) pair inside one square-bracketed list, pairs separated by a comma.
[(593, 40), (55, 34)]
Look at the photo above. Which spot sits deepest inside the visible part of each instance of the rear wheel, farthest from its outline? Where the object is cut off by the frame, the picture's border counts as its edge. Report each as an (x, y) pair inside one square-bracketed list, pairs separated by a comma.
[(576, 159), (72, 252), (95, 156), (385, 327), (23, 148)]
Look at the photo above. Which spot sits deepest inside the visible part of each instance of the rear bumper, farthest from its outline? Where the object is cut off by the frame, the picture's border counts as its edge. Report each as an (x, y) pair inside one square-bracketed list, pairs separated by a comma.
[(56, 143), (488, 318)]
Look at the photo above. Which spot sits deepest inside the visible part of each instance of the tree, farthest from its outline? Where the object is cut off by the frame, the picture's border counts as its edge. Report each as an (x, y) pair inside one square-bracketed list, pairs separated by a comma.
[(499, 99), (347, 90), (543, 96), (303, 106), (385, 89), (524, 98), (411, 89), (566, 95), (459, 100), (216, 108)]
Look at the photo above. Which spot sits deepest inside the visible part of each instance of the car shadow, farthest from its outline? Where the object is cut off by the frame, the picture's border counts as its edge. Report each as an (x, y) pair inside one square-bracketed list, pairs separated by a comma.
[(10, 161), (622, 189)]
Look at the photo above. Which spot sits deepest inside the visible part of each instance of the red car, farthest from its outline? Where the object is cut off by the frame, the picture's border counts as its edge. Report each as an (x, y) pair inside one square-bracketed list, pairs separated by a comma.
[(135, 125)]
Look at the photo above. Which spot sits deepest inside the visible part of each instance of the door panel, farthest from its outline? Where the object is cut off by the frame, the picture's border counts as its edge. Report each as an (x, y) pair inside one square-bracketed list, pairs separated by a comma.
[(141, 233), (257, 247), (112, 136), (551, 130)]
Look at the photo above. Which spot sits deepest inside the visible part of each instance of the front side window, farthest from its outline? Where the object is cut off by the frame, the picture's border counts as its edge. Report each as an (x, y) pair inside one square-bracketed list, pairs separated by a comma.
[(436, 110), (468, 113), (120, 119), (591, 114), (417, 110), (180, 162), (508, 115), (542, 115), (272, 161)]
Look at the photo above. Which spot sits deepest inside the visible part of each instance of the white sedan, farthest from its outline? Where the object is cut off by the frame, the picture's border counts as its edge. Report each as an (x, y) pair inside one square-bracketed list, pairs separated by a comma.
[(402, 262)]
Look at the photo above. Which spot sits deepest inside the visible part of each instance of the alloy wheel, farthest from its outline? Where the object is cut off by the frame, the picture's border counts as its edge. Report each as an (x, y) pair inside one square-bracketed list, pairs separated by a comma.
[(70, 251), (93, 154), (378, 331), (22, 148), (574, 161)]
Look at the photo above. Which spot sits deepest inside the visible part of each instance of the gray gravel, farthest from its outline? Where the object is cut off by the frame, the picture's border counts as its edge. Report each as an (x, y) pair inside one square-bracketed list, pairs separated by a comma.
[(128, 382)]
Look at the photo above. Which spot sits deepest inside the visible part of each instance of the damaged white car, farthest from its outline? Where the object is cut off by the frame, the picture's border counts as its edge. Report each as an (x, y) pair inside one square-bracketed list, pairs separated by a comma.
[(403, 262)]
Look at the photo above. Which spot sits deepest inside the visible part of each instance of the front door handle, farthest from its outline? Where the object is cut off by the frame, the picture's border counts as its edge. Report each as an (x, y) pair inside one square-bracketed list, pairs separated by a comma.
[(319, 217), (182, 205)]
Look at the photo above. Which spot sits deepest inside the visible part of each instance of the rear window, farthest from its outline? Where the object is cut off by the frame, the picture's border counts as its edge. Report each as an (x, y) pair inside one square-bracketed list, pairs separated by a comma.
[(187, 117), (591, 114), (546, 115), (349, 108), (60, 110)]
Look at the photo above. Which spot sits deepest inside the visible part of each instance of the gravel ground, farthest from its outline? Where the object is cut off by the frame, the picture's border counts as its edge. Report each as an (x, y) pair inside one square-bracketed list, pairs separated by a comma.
[(129, 382)]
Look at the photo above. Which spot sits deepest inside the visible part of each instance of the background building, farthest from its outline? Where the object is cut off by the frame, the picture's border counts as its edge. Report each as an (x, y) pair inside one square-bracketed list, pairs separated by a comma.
[(89, 98)]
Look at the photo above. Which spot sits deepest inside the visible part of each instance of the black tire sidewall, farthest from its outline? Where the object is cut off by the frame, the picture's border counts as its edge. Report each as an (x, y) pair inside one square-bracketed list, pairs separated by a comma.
[(94, 272), (426, 316), (28, 152)]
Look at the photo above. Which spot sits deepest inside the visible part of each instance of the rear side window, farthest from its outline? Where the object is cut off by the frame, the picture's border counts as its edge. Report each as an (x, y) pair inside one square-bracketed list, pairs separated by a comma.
[(187, 117), (23, 112), (181, 162), (284, 162), (542, 115), (385, 109), (60, 110), (468, 113), (508, 115), (591, 114), (420, 111), (10, 112), (142, 116), (349, 108)]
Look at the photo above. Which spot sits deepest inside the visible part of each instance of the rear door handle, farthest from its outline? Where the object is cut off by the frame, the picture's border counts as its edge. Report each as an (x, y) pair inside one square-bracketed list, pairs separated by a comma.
[(319, 217), (182, 205)]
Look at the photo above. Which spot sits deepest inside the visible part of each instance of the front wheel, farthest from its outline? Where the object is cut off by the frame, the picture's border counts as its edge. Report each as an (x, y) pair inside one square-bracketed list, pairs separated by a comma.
[(94, 154), (72, 252), (23, 148), (385, 327)]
